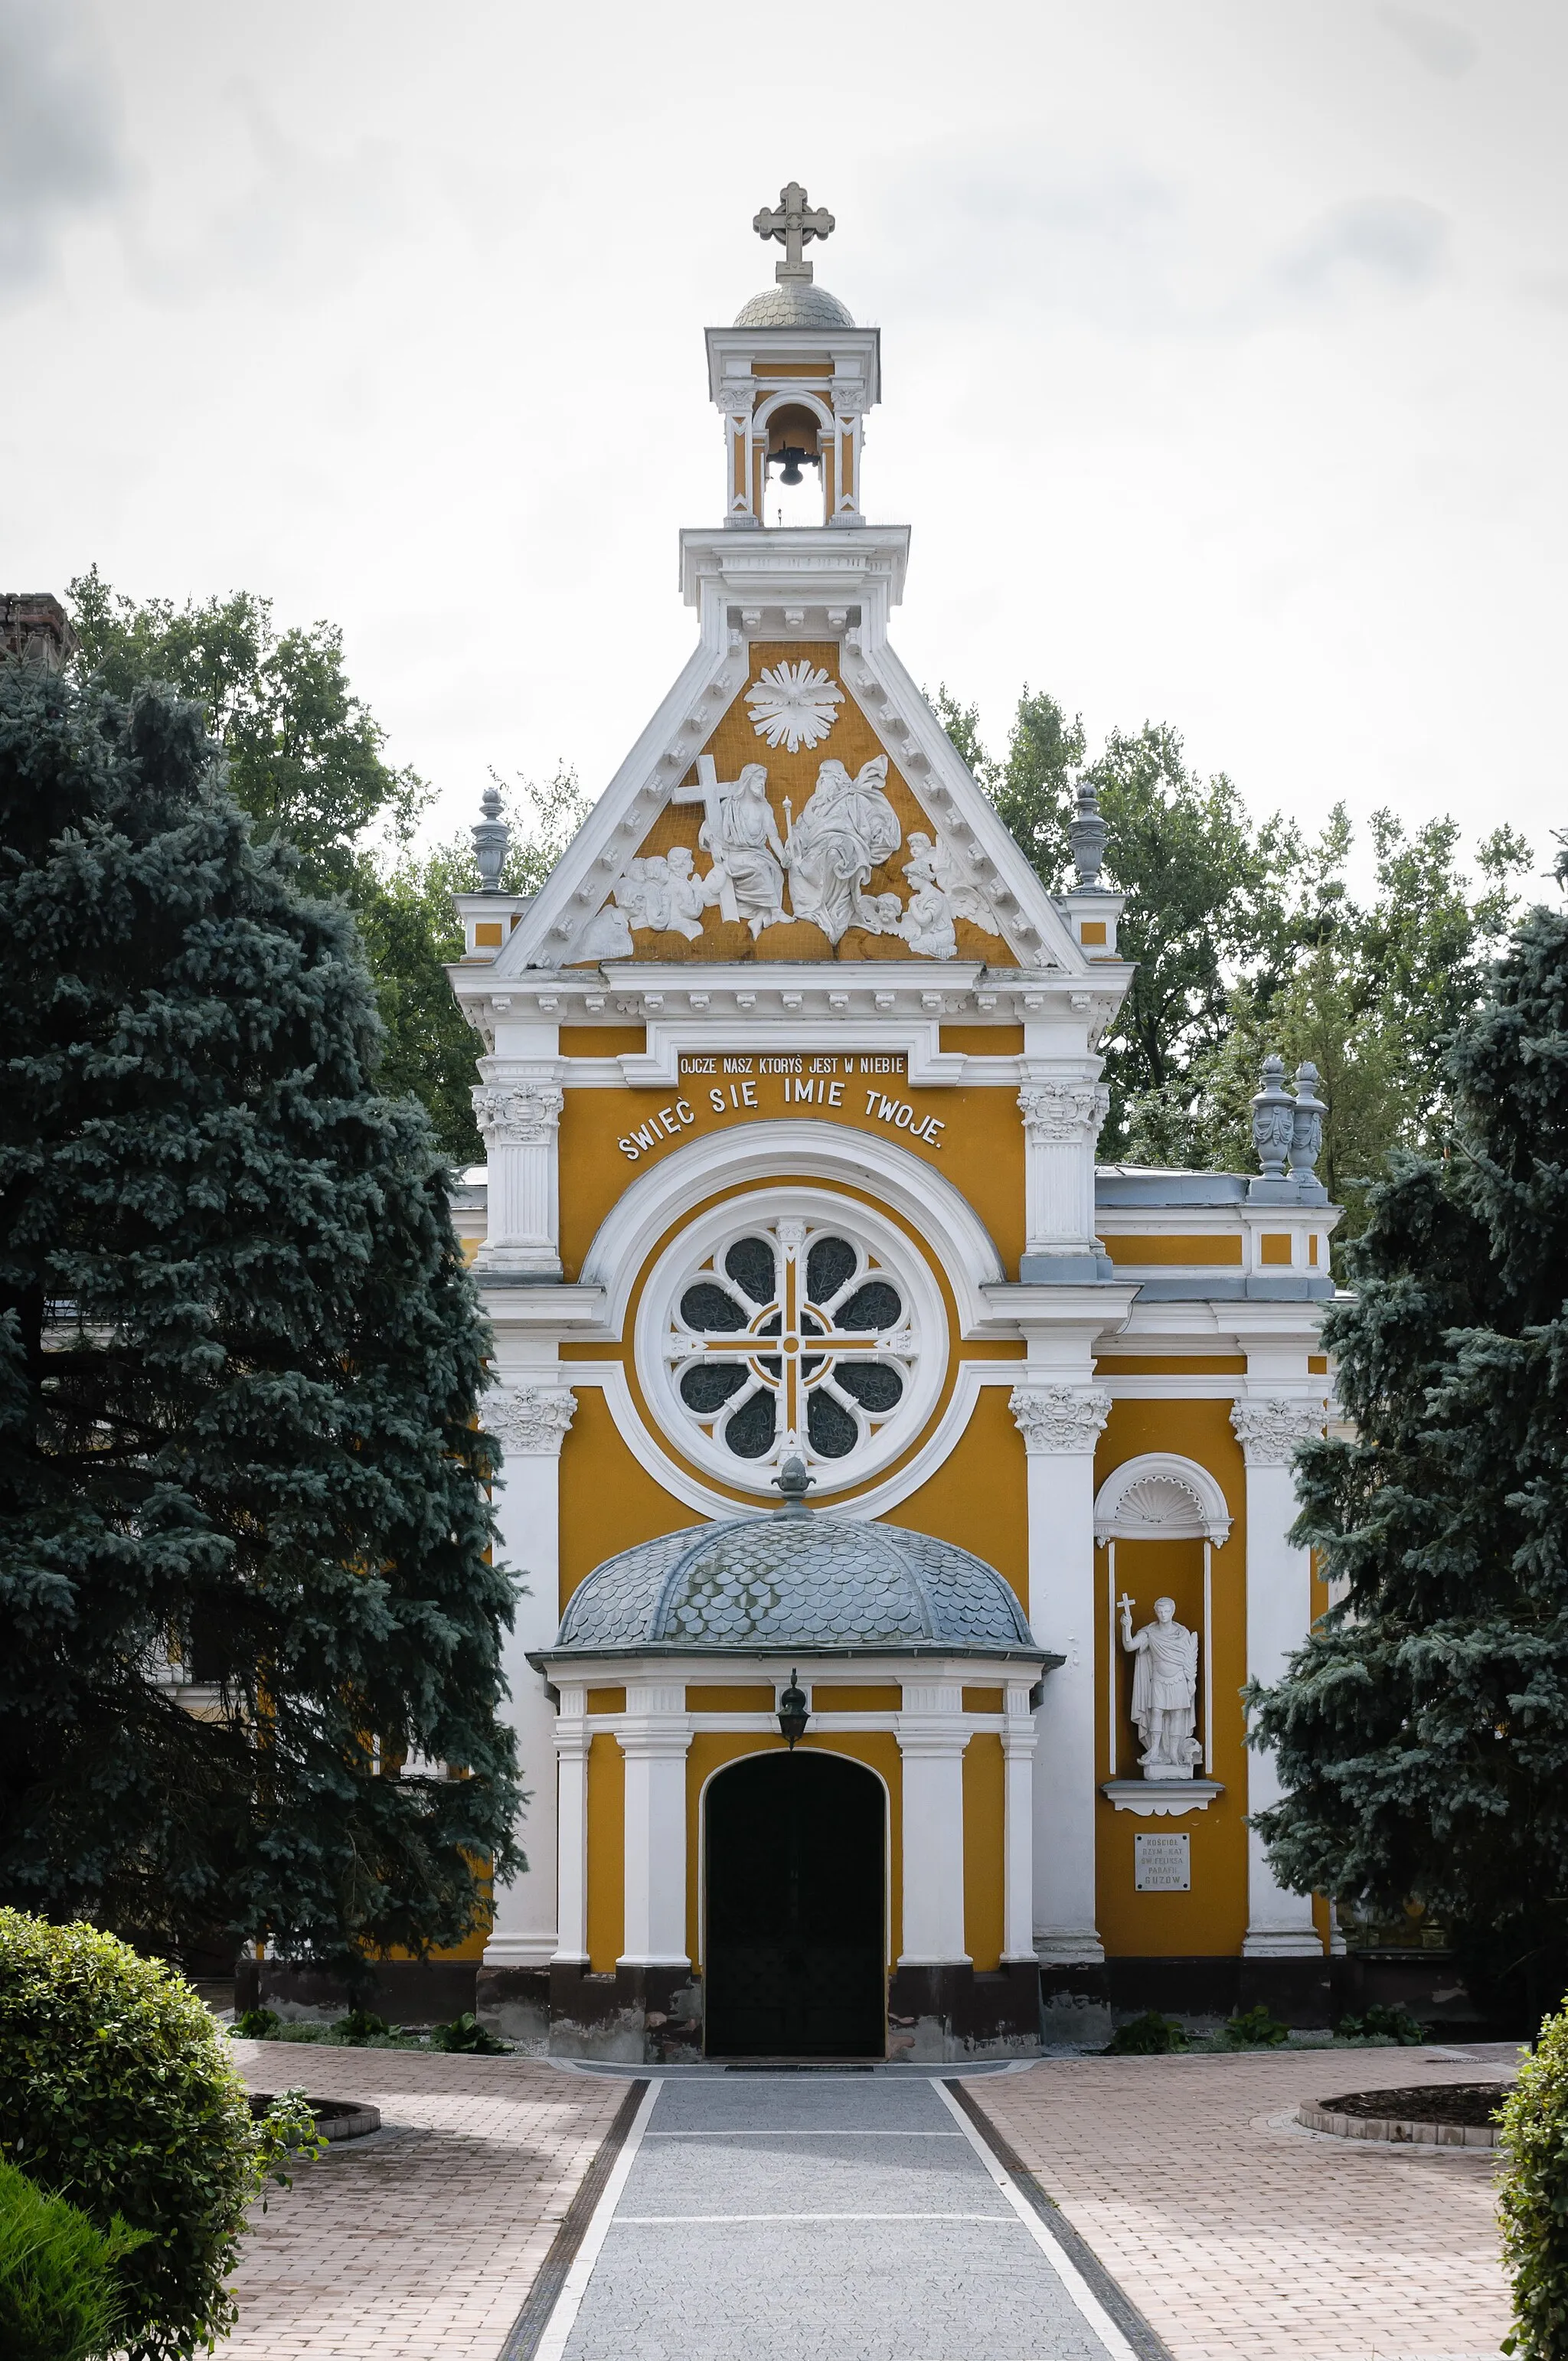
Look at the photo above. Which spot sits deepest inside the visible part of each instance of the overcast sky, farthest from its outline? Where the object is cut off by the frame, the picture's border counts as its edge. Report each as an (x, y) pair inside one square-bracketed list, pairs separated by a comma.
[(1222, 347)]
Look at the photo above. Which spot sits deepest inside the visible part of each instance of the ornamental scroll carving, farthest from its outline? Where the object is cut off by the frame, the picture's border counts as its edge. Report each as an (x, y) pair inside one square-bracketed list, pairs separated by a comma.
[(529, 1419), (515, 1118), (1269, 1427), (1059, 1418), (1062, 1113)]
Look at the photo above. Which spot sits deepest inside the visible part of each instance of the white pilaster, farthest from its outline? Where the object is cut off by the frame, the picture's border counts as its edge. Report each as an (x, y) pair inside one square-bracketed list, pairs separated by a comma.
[(518, 1108), (572, 1741), (1018, 1744), (1278, 1618), (1062, 1115), (931, 1741), (655, 1739), (529, 1421), (1060, 1425)]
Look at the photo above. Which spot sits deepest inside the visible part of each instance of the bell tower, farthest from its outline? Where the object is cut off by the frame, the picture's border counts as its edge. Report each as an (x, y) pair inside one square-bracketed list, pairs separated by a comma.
[(794, 379)]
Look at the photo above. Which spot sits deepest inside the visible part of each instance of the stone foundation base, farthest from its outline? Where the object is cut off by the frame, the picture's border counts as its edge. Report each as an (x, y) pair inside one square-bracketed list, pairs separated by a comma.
[(638, 2017), (941, 2015), (405, 1992)]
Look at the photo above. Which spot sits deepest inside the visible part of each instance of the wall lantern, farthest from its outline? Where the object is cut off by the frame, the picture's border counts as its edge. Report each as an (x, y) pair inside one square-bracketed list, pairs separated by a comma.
[(793, 1715)]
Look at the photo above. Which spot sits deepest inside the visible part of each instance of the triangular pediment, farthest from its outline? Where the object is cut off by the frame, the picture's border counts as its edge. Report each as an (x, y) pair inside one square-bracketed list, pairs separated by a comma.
[(795, 799)]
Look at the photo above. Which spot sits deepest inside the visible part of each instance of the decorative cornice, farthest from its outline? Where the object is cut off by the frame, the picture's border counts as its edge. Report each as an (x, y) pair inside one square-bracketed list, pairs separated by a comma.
[(1059, 1418), (515, 1118), (1061, 1113), (1269, 1427), (528, 1421)]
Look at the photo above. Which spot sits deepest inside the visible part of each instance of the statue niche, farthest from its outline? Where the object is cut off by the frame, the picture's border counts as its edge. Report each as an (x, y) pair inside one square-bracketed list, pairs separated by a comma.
[(1165, 1690)]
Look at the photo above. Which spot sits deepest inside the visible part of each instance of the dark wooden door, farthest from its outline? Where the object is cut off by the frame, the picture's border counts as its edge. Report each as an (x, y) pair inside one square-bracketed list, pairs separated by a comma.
[(793, 1962)]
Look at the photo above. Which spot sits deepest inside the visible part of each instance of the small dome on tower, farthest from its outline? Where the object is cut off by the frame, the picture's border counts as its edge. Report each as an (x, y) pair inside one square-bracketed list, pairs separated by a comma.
[(794, 303)]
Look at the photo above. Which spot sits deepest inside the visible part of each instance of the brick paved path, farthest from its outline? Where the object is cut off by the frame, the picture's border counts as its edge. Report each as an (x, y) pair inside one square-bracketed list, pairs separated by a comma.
[(820, 2218), (423, 2240), (1234, 2238)]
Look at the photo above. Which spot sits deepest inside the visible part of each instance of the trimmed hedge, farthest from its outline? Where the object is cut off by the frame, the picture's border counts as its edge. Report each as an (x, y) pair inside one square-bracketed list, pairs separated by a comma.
[(119, 2093), (1533, 2202), (59, 2289)]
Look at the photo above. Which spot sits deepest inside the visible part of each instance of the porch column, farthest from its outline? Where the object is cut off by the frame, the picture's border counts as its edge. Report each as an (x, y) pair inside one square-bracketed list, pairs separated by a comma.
[(1278, 1618), (931, 1741), (572, 1741), (529, 1421), (1060, 1425), (1018, 1744), (655, 1740)]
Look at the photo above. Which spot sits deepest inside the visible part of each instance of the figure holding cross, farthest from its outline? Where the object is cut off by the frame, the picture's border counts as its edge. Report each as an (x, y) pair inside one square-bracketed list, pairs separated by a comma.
[(793, 222)]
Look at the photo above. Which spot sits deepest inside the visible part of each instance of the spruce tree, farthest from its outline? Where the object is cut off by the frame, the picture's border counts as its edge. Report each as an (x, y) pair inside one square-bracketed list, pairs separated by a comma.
[(239, 1359), (1423, 1731)]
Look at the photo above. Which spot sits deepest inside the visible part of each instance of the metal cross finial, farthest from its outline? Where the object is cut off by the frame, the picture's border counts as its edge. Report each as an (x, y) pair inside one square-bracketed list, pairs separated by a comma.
[(794, 223)]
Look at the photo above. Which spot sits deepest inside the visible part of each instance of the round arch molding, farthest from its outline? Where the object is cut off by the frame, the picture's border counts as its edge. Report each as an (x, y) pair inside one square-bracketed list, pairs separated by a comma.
[(1161, 1496)]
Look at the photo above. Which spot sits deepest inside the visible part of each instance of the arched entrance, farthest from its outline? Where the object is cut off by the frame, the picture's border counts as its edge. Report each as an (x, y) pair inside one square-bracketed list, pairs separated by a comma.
[(793, 1964)]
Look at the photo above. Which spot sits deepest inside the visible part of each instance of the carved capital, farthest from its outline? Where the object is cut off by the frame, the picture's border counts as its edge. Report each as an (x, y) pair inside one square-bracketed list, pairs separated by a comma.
[(1059, 1418), (510, 1117), (529, 1419), (1063, 1113), (1269, 1427)]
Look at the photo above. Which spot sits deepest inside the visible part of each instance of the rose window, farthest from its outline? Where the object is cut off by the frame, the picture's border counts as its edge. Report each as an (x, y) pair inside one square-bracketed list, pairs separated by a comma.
[(792, 1338)]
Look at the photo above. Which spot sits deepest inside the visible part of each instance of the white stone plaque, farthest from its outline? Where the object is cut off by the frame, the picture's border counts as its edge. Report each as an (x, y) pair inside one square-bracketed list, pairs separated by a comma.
[(1162, 1864)]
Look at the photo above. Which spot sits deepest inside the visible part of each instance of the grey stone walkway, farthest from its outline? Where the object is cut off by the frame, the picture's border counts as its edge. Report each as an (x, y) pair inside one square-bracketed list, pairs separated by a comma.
[(819, 2217)]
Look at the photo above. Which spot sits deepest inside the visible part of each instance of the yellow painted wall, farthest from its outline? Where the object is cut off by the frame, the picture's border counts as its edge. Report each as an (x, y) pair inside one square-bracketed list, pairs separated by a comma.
[(888, 1698), (711, 1747), (980, 1149), (1150, 1248), (984, 1798), (1212, 1919), (608, 1501), (606, 1853), (979, 1497)]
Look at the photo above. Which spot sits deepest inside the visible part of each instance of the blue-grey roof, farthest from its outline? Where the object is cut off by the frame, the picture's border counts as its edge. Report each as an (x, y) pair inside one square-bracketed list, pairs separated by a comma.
[(794, 1583)]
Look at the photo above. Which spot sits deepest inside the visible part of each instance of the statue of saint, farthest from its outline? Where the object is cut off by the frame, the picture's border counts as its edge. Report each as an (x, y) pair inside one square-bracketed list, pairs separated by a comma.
[(1165, 1690), (847, 830)]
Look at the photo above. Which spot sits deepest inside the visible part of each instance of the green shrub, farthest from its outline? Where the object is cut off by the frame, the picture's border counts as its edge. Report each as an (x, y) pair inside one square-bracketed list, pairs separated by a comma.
[(1149, 2036), (119, 2093), (60, 2286), (256, 2024), (466, 2035), (1253, 2028), (359, 2025), (1383, 2023), (1533, 2202)]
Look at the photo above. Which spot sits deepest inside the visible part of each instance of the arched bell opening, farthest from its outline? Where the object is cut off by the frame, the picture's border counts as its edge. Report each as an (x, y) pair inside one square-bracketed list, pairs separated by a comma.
[(795, 1871), (796, 464)]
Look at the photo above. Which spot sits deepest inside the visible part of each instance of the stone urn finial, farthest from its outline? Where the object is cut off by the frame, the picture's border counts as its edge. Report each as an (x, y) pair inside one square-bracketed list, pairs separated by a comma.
[(1086, 834), (492, 839), (1273, 1120), (792, 1483)]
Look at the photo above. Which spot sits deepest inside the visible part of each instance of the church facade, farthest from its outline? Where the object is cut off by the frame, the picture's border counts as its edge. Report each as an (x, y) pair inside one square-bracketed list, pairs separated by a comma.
[(902, 1499)]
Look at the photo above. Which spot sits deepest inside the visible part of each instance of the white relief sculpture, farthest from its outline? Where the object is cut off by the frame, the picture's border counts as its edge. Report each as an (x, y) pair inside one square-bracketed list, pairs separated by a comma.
[(1165, 1690), (529, 1419), (1059, 1418), (746, 876), (847, 830), (515, 1118), (663, 891), (793, 705), (607, 935), (933, 869), (1061, 1112), (1269, 1427)]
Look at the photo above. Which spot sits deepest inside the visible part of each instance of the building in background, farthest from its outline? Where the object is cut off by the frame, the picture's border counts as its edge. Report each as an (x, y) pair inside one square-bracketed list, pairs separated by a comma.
[(902, 1502)]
